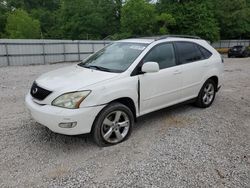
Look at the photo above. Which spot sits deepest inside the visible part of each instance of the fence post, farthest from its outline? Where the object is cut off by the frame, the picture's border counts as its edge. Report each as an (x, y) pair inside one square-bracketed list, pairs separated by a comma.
[(93, 48), (44, 59), (7, 54), (78, 48), (64, 52)]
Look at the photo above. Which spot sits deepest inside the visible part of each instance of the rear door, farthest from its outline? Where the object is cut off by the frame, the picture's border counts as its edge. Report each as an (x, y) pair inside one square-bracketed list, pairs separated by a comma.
[(192, 59)]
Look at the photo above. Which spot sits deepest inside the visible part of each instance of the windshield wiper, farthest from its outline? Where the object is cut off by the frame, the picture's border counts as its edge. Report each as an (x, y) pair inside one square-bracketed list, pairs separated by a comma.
[(97, 68)]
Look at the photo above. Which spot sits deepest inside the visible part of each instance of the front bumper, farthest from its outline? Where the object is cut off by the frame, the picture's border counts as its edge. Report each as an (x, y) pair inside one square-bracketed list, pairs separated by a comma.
[(51, 117)]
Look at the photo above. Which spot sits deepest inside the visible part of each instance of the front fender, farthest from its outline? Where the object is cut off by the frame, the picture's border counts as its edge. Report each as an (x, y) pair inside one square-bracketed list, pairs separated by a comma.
[(110, 91)]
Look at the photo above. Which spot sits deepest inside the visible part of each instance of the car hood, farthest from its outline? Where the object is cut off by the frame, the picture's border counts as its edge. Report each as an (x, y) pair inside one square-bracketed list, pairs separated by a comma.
[(72, 78)]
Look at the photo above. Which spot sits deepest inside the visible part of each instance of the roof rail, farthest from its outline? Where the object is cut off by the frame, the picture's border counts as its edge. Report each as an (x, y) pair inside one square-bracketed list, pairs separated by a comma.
[(168, 36), (177, 36)]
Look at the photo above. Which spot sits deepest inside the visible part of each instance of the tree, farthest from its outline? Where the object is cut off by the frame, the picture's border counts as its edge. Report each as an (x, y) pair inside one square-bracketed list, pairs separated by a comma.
[(84, 19), (20, 25), (109, 10), (165, 20), (193, 17), (43, 10), (28, 5), (138, 17), (234, 18), (3, 10), (98, 19), (48, 22)]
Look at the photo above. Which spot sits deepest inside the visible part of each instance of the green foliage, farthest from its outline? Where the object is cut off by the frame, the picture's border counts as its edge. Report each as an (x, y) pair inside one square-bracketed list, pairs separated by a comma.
[(234, 18), (47, 21), (83, 19), (20, 25), (119, 36), (165, 20), (42, 10), (33, 4), (138, 18), (116, 19), (3, 17), (192, 18)]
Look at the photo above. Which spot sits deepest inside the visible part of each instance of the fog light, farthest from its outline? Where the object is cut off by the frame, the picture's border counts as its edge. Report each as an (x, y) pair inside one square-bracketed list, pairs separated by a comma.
[(68, 125)]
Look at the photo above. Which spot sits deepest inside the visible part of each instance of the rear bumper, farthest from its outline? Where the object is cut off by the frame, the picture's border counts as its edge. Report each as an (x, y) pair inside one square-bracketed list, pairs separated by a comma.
[(236, 54), (51, 117)]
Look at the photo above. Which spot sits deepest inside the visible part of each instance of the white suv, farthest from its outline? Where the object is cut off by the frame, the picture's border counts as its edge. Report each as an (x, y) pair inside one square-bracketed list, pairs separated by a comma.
[(105, 93)]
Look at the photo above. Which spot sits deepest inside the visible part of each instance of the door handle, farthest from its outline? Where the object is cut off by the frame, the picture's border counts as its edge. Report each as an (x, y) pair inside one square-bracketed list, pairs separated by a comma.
[(177, 72)]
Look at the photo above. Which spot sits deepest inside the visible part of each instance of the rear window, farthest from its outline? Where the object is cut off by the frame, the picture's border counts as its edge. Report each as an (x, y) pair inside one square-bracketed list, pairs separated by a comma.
[(206, 54), (188, 52)]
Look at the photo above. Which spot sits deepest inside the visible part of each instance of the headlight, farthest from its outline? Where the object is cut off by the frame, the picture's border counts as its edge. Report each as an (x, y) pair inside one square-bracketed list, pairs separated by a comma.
[(71, 100)]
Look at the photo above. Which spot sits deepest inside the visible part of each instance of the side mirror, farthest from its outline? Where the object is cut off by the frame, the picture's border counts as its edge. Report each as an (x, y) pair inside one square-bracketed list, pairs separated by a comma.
[(150, 67)]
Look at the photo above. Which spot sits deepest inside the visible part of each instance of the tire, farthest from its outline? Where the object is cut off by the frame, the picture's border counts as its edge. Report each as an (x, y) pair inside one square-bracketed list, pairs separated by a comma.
[(113, 125), (206, 95), (245, 54)]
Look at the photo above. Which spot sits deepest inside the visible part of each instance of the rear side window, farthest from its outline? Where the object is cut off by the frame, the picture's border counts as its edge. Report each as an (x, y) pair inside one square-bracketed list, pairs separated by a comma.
[(163, 54), (206, 54), (188, 52)]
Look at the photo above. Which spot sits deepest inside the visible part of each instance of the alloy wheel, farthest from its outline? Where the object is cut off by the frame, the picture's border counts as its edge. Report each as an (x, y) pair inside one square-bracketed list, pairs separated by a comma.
[(208, 95), (115, 127)]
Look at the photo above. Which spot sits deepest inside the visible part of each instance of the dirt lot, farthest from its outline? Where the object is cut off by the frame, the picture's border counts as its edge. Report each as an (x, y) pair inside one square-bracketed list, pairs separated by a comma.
[(180, 147)]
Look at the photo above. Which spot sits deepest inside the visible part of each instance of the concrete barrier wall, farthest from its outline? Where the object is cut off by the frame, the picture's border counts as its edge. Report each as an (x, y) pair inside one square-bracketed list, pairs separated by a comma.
[(29, 52)]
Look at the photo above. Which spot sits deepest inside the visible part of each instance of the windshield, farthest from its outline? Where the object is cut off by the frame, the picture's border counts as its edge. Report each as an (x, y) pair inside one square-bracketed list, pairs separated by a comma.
[(116, 57)]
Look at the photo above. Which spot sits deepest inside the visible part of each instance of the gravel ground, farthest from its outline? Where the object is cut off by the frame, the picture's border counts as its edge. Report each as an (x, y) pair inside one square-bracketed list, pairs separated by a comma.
[(179, 147)]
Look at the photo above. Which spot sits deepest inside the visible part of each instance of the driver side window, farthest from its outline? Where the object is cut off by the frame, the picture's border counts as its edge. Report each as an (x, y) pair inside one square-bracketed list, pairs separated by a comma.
[(163, 54)]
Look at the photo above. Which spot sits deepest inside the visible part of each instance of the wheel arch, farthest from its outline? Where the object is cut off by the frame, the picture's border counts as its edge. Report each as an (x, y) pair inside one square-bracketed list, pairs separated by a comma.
[(127, 101), (216, 81)]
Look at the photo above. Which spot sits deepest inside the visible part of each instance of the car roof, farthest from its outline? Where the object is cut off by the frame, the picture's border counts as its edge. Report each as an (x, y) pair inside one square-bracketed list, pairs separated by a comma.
[(135, 40)]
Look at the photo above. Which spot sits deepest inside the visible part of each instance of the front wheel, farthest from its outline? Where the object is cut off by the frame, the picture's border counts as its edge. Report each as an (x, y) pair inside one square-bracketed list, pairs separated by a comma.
[(206, 95), (113, 125)]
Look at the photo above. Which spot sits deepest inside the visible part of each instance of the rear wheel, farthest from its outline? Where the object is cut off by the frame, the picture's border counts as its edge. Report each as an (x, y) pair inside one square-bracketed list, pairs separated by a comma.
[(245, 54), (113, 125), (207, 94)]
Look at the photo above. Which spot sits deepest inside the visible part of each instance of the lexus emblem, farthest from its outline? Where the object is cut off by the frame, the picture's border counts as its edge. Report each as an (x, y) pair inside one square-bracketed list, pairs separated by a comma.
[(34, 91)]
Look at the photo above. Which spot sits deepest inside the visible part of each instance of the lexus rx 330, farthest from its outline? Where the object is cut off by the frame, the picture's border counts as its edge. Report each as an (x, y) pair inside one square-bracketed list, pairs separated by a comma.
[(105, 93)]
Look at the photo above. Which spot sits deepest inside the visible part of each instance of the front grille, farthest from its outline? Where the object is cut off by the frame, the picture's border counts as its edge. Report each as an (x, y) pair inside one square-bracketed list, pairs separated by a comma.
[(38, 92)]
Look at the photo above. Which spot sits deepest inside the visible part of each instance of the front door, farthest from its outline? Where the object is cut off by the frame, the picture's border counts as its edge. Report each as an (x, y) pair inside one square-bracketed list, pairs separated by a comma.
[(160, 89)]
